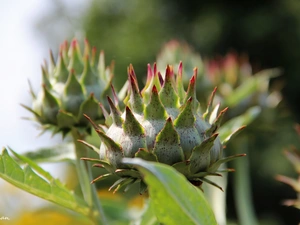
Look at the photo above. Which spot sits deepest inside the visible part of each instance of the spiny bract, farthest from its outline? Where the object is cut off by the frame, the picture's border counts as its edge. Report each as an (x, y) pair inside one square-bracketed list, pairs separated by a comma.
[(161, 123), (71, 87), (293, 155)]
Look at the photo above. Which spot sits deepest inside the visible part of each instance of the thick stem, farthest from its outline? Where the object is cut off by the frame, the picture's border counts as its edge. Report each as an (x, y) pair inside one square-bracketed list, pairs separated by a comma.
[(84, 173), (242, 185)]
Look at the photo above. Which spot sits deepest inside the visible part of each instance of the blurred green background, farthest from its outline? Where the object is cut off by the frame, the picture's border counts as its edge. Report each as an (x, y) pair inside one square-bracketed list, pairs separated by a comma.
[(134, 31)]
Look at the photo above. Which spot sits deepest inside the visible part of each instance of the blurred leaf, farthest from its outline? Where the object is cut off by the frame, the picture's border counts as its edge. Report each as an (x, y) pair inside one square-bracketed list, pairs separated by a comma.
[(50, 216), (44, 186), (294, 183), (250, 86), (293, 156), (231, 127), (149, 217), (175, 200), (116, 210), (58, 153)]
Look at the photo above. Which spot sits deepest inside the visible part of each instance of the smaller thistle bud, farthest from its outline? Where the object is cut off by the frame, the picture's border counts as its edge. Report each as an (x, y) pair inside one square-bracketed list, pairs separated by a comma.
[(72, 86), (238, 87)]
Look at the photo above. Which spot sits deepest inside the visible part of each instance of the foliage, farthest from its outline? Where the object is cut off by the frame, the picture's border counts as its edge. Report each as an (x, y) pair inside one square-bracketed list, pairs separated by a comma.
[(167, 190), (41, 183)]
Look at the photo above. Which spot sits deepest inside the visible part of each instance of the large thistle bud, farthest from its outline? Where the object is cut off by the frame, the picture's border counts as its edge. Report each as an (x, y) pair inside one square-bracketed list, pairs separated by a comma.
[(162, 123), (72, 86)]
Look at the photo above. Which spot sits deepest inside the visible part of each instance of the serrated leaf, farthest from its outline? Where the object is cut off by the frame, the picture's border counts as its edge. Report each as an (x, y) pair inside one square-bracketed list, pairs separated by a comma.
[(44, 186), (168, 190), (59, 153)]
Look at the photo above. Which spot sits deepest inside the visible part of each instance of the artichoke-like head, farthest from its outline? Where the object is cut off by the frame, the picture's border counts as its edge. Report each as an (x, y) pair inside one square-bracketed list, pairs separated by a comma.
[(238, 87), (72, 86), (162, 123)]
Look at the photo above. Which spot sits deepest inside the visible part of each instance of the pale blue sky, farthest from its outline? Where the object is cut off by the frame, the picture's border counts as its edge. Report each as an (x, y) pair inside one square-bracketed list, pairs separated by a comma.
[(22, 51)]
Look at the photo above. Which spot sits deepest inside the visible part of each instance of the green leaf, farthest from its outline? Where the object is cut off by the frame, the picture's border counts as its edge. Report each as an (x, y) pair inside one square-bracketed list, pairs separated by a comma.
[(44, 186), (59, 153), (149, 217), (175, 200), (233, 126)]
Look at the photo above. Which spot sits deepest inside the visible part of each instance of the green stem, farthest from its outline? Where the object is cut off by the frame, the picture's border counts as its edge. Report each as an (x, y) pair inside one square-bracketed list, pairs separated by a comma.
[(242, 184), (84, 172), (217, 198)]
